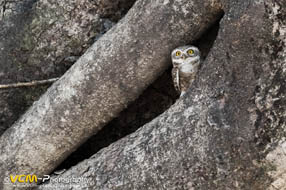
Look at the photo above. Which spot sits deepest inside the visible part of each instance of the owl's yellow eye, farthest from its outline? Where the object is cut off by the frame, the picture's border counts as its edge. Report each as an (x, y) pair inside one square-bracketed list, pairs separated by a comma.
[(178, 53), (190, 52)]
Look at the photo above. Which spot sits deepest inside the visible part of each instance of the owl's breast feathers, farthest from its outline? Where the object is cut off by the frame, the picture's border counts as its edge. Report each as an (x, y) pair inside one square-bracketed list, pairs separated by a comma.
[(182, 81), (186, 79)]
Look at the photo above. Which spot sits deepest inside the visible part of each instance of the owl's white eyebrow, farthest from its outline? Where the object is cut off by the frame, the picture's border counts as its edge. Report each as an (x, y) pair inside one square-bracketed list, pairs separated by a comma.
[(191, 49), (174, 52)]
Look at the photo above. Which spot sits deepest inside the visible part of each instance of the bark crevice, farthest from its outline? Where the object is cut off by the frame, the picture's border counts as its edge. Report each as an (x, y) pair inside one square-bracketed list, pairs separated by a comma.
[(156, 99), (93, 91)]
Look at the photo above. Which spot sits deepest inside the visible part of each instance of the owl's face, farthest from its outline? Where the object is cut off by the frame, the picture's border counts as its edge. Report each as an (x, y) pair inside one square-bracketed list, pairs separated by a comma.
[(185, 55)]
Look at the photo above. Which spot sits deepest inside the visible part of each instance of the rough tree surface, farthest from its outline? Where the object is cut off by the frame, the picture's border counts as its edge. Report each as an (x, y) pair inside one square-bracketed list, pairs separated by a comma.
[(42, 39), (110, 75), (227, 132), (156, 99)]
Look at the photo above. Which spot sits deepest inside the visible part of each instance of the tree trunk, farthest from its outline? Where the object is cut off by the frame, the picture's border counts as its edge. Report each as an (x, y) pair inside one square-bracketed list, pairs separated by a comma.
[(227, 132), (110, 75), (40, 40)]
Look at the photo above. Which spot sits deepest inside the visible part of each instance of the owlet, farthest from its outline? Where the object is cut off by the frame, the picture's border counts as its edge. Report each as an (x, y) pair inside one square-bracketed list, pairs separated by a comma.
[(186, 61)]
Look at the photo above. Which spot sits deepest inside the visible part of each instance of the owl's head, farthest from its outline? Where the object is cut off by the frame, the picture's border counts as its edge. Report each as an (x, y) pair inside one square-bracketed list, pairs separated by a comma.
[(185, 55)]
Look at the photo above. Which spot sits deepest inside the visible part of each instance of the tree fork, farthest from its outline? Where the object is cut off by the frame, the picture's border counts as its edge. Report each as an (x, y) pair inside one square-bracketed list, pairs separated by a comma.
[(227, 132), (110, 75)]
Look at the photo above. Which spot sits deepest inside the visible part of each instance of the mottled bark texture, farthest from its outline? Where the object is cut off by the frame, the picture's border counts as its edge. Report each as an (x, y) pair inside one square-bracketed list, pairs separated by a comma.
[(42, 39), (110, 75), (156, 99), (227, 132)]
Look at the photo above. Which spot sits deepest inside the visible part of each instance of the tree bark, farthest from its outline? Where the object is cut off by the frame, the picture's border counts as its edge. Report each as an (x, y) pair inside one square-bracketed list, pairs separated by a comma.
[(110, 75), (227, 132), (40, 40)]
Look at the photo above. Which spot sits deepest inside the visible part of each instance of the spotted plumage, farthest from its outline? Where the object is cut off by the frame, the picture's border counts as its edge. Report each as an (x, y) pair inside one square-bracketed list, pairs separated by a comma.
[(186, 61)]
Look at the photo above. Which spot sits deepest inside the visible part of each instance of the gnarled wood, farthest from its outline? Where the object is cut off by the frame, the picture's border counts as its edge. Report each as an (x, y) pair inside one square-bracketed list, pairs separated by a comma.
[(42, 39), (111, 74), (227, 132)]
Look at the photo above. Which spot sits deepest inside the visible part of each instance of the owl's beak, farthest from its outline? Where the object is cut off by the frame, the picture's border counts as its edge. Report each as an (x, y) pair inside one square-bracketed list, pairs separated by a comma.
[(184, 57)]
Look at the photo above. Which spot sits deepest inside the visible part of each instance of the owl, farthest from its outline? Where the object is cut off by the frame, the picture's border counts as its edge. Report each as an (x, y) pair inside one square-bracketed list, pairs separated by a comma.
[(186, 61)]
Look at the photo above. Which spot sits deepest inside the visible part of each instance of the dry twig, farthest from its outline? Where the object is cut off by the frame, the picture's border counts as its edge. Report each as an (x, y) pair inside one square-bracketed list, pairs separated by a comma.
[(25, 84)]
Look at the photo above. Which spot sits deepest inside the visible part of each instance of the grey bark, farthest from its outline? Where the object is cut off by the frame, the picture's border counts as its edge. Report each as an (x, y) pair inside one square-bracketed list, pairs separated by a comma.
[(40, 40), (110, 75), (227, 132)]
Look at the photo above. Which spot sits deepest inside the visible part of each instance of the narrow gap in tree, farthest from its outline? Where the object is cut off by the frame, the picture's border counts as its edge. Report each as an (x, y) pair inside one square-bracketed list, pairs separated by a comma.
[(157, 98)]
